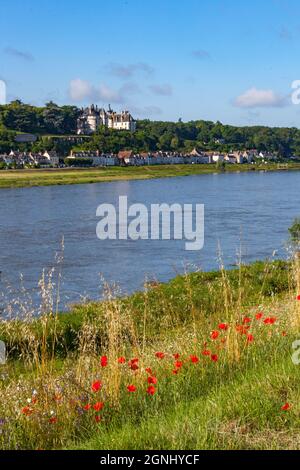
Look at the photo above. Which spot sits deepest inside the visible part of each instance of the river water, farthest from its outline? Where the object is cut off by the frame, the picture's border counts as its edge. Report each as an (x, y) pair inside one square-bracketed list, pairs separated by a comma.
[(248, 212)]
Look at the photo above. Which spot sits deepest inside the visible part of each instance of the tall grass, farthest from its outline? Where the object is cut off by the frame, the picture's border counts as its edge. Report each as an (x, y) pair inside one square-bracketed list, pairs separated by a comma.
[(187, 340)]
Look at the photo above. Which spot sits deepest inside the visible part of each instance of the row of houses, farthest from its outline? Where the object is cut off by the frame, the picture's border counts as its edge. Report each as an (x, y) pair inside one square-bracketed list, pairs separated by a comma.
[(43, 159), (130, 158)]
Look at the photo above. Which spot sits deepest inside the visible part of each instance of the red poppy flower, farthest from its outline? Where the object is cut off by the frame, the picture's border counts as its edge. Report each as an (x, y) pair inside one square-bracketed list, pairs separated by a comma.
[(149, 371), (175, 371), (96, 386), (284, 333), (242, 329), (160, 355), (259, 315), (87, 407), (250, 338), (27, 411), (246, 320), (98, 406), (176, 356), (53, 420), (298, 297), (214, 357), (223, 326), (121, 360), (178, 364), (133, 363), (103, 361), (152, 380), (151, 390), (286, 407), (270, 320), (206, 352), (194, 359), (97, 418), (131, 388), (214, 334)]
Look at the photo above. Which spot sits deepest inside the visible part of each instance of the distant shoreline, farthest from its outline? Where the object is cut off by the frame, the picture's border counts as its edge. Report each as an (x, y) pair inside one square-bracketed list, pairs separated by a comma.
[(68, 176)]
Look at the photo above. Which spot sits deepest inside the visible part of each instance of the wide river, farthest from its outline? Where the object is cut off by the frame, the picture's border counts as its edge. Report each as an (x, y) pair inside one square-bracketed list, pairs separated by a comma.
[(247, 212)]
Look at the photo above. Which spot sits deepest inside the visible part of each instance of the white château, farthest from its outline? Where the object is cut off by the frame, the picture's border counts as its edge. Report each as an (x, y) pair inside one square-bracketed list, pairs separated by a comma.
[(92, 117)]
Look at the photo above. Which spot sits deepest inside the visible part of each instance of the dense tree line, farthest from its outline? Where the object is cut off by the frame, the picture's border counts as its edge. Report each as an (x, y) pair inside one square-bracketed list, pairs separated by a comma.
[(149, 136)]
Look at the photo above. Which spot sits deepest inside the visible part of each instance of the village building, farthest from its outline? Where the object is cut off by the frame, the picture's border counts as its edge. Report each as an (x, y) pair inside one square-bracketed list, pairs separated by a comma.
[(52, 157)]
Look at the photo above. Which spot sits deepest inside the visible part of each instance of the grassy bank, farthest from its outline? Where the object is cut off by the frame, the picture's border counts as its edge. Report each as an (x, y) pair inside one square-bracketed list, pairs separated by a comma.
[(203, 361), (43, 177)]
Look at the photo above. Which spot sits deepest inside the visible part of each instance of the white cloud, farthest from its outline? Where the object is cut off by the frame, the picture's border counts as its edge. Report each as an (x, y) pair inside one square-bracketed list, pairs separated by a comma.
[(255, 98), (83, 90), (79, 90), (164, 90)]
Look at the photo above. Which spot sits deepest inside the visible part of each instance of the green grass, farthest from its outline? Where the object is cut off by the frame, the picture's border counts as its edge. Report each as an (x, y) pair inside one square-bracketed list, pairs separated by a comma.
[(230, 398), (168, 305), (46, 177), (240, 410)]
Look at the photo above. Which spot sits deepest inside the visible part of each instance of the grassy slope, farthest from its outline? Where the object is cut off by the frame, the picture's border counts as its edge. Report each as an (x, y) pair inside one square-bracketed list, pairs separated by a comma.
[(43, 177), (243, 411), (234, 403)]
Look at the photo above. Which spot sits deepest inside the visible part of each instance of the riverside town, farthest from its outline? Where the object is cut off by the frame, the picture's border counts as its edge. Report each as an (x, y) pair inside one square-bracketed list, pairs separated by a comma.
[(98, 129)]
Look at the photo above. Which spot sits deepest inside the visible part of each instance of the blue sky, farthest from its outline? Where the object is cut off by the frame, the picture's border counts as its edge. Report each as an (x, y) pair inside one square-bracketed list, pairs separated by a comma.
[(227, 60)]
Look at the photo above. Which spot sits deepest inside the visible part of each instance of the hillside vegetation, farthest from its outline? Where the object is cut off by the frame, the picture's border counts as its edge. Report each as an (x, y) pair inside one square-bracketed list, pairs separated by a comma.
[(53, 120)]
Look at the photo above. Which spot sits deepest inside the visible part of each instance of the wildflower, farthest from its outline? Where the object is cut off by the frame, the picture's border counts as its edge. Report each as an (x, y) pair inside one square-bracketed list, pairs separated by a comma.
[(176, 356), (53, 420), (133, 363), (103, 361), (246, 320), (214, 334), (223, 326), (178, 364), (121, 360), (298, 297), (98, 406), (149, 371), (97, 418), (87, 407), (242, 329), (160, 355), (250, 338), (284, 333), (214, 357), (206, 352), (259, 315), (96, 386), (151, 390), (131, 388), (270, 320), (152, 380), (286, 407), (175, 371), (27, 411), (194, 359)]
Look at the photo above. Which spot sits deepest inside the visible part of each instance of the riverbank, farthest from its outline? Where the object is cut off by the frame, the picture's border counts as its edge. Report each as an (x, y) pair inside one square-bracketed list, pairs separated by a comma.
[(67, 176), (203, 361)]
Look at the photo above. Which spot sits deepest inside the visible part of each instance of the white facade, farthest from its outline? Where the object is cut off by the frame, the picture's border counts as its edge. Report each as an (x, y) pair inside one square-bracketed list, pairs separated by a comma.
[(93, 117)]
